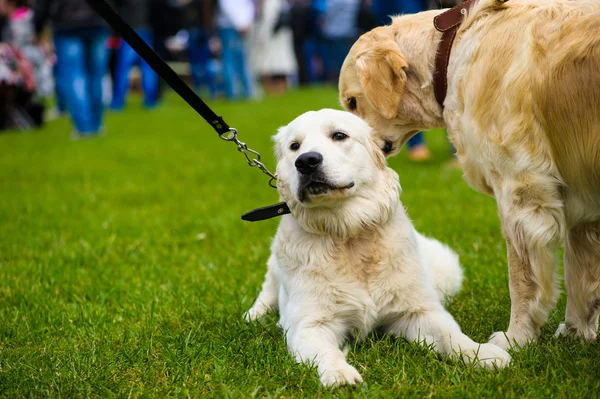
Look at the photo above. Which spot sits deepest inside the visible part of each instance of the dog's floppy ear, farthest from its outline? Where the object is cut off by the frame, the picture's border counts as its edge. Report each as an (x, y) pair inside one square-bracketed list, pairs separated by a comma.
[(381, 71), (277, 139), (376, 154)]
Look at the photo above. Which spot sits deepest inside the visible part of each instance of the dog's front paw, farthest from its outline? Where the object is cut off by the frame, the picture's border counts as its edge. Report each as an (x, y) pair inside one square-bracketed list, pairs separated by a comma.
[(585, 334), (340, 375), (256, 312), (507, 340), (490, 357)]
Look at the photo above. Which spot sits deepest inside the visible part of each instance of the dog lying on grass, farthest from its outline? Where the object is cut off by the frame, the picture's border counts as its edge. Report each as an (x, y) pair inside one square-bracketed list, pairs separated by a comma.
[(348, 258)]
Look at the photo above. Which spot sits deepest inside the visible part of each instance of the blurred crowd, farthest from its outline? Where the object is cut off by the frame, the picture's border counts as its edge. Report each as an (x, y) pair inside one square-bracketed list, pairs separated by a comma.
[(58, 54)]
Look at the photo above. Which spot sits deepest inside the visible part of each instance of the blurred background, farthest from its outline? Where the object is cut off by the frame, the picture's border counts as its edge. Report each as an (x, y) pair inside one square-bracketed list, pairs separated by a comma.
[(57, 58)]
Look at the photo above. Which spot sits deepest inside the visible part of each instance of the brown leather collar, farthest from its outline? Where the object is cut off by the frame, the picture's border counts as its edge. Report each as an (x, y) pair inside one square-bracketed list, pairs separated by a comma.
[(448, 23)]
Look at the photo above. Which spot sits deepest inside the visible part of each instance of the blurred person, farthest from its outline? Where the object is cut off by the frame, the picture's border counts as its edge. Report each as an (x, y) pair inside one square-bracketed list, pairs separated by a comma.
[(18, 109), (80, 41), (417, 148), (366, 17), (20, 33), (234, 20), (438, 4), (300, 25), (307, 26), (59, 95), (165, 22), (137, 14), (198, 17), (383, 10), (340, 30), (3, 20), (272, 46)]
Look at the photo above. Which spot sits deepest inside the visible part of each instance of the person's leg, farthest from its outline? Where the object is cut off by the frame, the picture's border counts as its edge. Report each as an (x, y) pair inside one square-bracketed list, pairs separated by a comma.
[(299, 29), (199, 54), (450, 145), (408, 6), (325, 49), (72, 77), (244, 68), (97, 64), (125, 59), (417, 149), (416, 140), (229, 71), (149, 77), (61, 102), (214, 71), (340, 49), (310, 53)]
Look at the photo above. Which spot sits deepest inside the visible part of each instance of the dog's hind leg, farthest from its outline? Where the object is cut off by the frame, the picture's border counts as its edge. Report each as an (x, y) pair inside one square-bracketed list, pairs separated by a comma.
[(582, 279), (533, 223), (268, 299), (437, 328)]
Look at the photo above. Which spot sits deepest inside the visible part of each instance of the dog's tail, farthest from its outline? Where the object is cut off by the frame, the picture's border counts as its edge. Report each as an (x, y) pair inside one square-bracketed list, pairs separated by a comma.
[(447, 273)]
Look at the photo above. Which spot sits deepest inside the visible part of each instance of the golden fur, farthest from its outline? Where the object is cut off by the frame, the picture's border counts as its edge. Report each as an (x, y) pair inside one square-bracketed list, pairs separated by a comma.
[(523, 111)]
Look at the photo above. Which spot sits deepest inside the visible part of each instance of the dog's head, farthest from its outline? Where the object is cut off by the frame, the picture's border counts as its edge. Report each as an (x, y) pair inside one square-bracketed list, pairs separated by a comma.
[(386, 79), (330, 168)]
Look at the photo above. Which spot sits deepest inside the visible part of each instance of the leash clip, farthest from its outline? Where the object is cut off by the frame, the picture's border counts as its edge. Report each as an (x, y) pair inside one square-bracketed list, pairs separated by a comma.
[(253, 157)]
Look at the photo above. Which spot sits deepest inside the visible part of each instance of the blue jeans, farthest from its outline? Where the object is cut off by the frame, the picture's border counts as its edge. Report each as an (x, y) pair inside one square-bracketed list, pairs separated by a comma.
[(82, 62), (61, 102), (200, 61), (383, 9), (416, 140), (127, 58), (236, 70), (338, 49)]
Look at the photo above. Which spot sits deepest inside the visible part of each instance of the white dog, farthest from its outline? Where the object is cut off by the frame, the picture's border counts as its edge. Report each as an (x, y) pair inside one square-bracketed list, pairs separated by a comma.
[(348, 258)]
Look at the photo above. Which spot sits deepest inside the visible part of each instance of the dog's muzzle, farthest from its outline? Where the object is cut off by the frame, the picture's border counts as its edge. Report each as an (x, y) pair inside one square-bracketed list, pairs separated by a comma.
[(316, 184)]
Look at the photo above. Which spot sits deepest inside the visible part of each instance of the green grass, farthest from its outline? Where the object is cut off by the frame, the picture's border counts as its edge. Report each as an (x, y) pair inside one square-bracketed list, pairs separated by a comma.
[(125, 269)]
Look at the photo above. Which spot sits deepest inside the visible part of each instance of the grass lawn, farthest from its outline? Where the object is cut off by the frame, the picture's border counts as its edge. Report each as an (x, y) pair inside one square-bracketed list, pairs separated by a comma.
[(125, 269)]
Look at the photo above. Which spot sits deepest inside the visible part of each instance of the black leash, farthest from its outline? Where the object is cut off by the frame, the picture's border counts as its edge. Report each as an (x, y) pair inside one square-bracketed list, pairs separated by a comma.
[(102, 8)]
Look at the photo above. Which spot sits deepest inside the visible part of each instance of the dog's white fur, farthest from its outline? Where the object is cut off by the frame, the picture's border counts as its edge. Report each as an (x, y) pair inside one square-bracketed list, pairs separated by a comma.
[(350, 260), (523, 111)]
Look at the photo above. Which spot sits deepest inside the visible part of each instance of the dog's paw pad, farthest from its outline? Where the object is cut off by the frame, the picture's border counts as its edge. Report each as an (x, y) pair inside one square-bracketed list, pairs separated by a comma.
[(342, 375)]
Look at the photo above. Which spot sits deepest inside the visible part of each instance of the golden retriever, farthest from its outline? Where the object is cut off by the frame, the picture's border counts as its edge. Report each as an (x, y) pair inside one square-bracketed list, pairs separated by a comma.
[(523, 111), (349, 259)]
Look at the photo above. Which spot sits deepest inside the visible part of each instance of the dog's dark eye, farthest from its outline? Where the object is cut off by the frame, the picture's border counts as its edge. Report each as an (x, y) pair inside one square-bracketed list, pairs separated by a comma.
[(352, 103), (339, 136), (294, 146), (387, 147)]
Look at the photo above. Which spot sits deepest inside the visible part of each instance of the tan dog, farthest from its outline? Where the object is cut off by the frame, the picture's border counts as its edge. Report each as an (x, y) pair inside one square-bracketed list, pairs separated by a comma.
[(523, 110)]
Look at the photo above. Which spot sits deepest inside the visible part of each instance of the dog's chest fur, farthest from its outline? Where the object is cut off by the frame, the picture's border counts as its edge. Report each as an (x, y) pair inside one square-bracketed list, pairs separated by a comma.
[(359, 279)]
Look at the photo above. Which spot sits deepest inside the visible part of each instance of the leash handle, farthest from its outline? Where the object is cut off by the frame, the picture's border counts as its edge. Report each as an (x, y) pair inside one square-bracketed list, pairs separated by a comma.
[(107, 13)]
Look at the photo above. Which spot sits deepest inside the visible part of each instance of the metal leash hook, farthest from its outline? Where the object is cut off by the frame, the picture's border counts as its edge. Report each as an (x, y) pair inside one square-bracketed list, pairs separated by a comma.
[(232, 135)]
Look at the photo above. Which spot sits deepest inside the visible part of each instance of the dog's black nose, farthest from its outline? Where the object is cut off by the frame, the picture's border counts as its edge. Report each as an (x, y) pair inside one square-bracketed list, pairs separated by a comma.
[(308, 162)]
